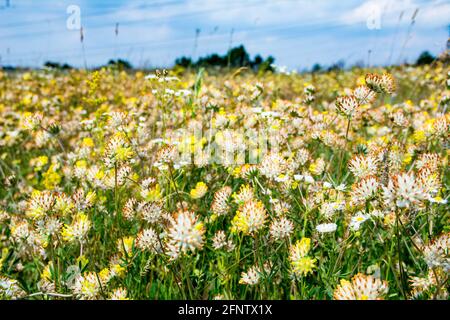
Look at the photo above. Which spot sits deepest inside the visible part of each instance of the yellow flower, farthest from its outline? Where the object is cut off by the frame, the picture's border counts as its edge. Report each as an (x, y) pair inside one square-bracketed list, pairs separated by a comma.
[(40, 204), (47, 272), (42, 161), (250, 217), (361, 81), (275, 126), (153, 194), (303, 246), (407, 158), (199, 191), (81, 164), (124, 153), (303, 266), (104, 275), (26, 101), (118, 270), (91, 196), (100, 174), (236, 172), (199, 227), (419, 136), (245, 193), (63, 205), (125, 245), (82, 261), (78, 229), (317, 167), (118, 148), (134, 176), (232, 117), (87, 142), (26, 76), (39, 162), (89, 285), (300, 262), (51, 178)]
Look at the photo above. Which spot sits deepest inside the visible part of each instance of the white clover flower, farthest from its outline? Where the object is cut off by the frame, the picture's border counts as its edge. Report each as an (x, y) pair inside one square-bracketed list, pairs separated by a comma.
[(282, 228), (149, 240), (363, 166), (326, 227), (361, 287), (437, 254), (251, 277), (403, 190), (185, 234)]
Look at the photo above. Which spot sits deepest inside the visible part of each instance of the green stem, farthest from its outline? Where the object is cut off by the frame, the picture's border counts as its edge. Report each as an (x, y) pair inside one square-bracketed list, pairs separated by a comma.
[(342, 155), (400, 265)]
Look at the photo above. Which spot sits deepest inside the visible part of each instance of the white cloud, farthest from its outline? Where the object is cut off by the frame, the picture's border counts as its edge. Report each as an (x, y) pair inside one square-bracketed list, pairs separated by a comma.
[(436, 15), (430, 14), (260, 12)]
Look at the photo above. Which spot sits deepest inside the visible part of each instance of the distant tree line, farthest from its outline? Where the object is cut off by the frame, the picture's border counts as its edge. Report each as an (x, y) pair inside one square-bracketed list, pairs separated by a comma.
[(56, 65), (235, 58), (424, 58), (116, 64)]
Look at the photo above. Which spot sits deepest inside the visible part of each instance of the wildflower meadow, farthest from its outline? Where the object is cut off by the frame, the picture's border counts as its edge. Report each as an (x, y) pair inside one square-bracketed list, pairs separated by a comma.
[(232, 184)]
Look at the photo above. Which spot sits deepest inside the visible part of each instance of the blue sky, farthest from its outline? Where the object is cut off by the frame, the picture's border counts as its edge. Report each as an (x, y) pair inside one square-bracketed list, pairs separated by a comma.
[(153, 33)]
